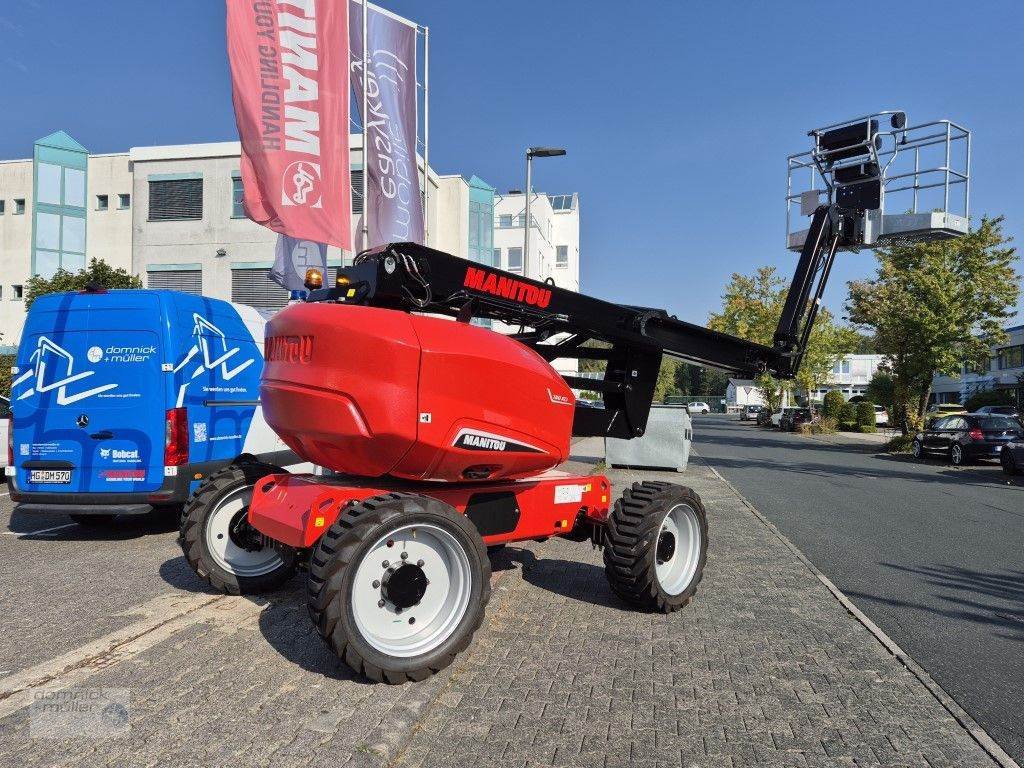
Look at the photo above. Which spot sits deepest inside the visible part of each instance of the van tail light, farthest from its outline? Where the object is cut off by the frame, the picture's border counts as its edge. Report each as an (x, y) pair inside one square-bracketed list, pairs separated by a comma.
[(976, 434), (176, 437)]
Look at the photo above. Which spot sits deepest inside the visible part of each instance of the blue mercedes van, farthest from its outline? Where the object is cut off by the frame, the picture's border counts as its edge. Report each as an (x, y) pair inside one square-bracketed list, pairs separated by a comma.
[(123, 401)]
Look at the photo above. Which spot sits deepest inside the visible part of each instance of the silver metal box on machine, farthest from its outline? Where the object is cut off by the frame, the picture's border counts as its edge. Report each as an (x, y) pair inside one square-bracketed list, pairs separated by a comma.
[(665, 444)]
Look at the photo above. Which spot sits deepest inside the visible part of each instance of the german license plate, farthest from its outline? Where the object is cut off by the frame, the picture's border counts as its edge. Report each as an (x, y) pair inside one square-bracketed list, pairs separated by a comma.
[(55, 476)]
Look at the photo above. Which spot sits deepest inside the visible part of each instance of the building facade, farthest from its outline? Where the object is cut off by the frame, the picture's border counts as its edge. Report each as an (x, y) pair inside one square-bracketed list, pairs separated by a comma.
[(850, 376), (173, 215), (1004, 371), (554, 237), (742, 392)]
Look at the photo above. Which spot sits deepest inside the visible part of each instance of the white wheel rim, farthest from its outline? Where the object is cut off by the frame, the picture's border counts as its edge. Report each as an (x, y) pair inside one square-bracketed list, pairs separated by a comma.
[(680, 534), (223, 548), (439, 610)]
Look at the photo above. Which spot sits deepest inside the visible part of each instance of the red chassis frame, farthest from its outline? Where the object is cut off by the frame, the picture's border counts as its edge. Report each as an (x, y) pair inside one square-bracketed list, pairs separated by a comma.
[(296, 510)]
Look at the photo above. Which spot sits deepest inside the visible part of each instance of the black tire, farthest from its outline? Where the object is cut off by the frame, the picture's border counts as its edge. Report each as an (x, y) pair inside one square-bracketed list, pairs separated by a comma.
[(337, 557), (1007, 461), (94, 521), (631, 545), (197, 515), (957, 457), (917, 449)]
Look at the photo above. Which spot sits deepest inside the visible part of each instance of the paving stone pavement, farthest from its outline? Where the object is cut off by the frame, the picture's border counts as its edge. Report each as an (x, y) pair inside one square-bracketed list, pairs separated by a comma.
[(765, 668)]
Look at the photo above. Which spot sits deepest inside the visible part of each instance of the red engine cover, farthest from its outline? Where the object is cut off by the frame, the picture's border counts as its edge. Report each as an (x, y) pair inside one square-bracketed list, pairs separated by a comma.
[(369, 391)]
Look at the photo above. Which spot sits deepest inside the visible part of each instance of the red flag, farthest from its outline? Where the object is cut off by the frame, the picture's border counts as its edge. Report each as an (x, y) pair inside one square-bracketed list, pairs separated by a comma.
[(290, 88)]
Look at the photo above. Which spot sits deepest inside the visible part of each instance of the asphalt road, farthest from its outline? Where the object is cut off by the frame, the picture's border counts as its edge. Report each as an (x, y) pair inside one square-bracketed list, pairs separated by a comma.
[(932, 554)]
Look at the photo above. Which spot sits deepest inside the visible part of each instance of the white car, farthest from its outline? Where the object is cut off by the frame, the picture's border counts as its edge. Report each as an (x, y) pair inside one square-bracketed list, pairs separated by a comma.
[(699, 408), (881, 416), (777, 415)]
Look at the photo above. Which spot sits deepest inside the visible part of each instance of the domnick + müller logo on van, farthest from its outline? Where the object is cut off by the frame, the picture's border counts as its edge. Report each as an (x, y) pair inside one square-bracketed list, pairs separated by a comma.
[(212, 344)]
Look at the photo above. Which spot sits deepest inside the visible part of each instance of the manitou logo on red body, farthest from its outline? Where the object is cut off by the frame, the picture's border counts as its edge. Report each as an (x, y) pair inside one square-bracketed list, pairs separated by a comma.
[(507, 288), (288, 349)]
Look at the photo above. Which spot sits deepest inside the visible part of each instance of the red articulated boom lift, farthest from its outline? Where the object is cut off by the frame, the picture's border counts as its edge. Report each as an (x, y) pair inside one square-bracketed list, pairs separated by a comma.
[(438, 439)]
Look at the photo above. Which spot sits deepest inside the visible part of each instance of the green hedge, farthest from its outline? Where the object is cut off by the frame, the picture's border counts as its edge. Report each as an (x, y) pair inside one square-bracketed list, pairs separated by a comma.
[(866, 416), (832, 405)]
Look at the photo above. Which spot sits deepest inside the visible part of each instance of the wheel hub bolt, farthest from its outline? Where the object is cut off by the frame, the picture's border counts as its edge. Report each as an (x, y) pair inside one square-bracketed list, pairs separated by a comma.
[(376, 584), (386, 563), (419, 563), (380, 603), (405, 555)]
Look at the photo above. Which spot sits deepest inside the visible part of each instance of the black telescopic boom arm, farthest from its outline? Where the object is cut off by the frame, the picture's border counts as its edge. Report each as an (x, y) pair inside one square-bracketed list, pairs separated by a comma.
[(558, 323)]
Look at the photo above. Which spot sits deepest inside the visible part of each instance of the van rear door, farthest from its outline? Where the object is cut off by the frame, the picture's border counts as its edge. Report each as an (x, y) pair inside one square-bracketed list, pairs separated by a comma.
[(89, 398)]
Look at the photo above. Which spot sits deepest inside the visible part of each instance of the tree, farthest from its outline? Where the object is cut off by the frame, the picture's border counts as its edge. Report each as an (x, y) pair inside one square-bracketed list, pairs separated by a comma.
[(751, 306), (98, 273), (880, 389), (935, 307)]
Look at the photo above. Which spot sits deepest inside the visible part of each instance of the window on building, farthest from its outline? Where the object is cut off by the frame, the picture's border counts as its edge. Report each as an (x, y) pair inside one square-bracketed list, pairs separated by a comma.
[(841, 366), (17, 292), (1011, 357), (357, 190), (496, 260), (175, 199), (19, 206), (124, 202), (561, 202), (185, 280), (2, 203), (515, 259), (505, 221), (237, 193), (521, 220), (102, 202), (561, 255)]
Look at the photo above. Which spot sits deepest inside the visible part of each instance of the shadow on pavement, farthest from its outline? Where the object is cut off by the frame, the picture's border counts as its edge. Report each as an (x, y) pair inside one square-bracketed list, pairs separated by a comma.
[(989, 598), (119, 529), (572, 579)]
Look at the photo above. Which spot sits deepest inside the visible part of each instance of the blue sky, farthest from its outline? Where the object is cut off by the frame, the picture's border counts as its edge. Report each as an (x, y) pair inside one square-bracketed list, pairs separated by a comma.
[(677, 116)]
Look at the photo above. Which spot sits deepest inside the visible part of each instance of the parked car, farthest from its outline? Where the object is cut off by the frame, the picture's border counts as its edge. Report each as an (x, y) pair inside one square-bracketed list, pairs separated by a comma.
[(125, 400), (5, 431), (764, 417), (967, 437), (749, 412), (881, 416), (1012, 457), (699, 407), (776, 418), (943, 409), (1000, 410), (792, 418)]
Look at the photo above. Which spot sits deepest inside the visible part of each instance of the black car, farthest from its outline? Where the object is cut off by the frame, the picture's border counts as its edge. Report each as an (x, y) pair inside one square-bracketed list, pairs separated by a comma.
[(792, 418), (967, 437), (1012, 457)]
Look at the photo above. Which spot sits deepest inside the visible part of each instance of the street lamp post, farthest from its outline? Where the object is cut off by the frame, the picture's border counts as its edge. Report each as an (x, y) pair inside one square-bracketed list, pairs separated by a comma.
[(531, 153)]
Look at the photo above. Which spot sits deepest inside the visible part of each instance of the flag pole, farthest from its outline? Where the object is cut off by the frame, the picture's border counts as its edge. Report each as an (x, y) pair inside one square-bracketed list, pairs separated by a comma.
[(366, 170), (426, 130)]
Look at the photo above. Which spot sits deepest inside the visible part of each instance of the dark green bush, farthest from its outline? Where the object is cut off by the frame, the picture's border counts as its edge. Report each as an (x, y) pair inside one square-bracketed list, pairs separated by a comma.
[(832, 404), (865, 414)]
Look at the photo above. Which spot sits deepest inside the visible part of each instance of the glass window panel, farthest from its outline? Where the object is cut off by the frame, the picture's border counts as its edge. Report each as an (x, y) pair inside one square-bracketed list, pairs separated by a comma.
[(505, 221), (515, 259), (48, 231), (74, 187), (237, 196), (49, 183), (124, 201), (72, 262), (496, 258), (47, 263), (74, 234)]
